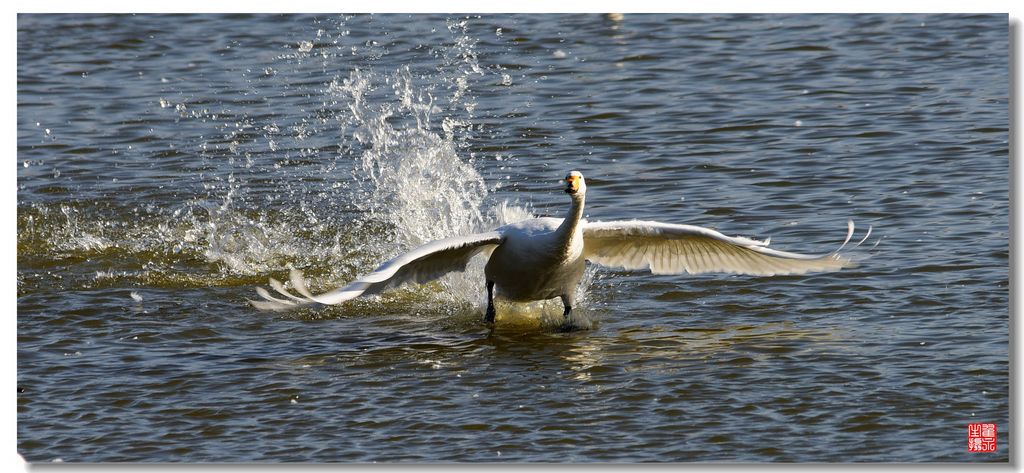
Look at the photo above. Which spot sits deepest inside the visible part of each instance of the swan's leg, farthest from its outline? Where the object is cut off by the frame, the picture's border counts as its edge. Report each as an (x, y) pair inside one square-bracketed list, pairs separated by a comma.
[(489, 316), (567, 303)]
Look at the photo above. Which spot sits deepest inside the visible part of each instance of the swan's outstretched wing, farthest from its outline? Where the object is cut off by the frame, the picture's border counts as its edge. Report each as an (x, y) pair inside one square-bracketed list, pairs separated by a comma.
[(672, 249), (423, 264)]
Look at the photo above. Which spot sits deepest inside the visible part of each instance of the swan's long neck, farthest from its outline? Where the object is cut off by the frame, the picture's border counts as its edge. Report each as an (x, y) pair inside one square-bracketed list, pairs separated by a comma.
[(568, 230)]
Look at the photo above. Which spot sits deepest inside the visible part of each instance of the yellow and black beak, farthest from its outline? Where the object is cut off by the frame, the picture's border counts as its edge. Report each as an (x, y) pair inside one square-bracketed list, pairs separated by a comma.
[(572, 184)]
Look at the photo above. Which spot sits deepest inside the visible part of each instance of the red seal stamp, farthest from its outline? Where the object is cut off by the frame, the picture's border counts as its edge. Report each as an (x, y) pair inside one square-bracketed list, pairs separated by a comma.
[(981, 437)]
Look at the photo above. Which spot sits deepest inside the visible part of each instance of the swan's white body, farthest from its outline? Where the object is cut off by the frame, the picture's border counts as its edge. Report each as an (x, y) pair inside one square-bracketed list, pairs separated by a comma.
[(538, 260), (544, 258)]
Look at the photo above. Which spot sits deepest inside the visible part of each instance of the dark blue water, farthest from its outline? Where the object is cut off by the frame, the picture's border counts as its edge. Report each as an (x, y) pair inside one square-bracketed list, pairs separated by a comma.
[(169, 164)]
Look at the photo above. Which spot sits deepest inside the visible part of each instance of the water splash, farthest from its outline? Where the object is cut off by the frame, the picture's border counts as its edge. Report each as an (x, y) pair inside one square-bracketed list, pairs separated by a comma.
[(406, 135), (375, 162), (410, 178)]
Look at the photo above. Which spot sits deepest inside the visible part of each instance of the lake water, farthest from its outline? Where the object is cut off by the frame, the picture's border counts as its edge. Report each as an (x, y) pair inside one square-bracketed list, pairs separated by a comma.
[(167, 165)]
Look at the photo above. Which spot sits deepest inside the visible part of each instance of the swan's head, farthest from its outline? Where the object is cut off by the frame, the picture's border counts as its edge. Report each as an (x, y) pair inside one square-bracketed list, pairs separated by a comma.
[(574, 184)]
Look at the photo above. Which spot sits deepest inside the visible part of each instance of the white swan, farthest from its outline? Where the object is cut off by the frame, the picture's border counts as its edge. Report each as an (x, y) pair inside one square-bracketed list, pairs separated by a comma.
[(544, 258)]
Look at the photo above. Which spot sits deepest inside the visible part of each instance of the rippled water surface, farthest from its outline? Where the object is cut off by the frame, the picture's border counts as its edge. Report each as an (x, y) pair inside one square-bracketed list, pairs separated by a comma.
[(168, 165)]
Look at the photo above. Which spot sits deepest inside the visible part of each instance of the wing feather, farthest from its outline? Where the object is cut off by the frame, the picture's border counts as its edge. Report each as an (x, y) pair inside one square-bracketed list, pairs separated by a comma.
[(704, 256), (423, 264), (665, 248)]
